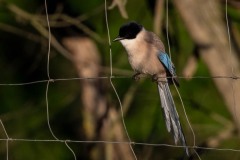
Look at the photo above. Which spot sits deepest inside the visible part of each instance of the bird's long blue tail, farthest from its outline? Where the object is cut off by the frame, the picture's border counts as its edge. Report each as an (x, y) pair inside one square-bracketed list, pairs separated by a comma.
[(170, 114)]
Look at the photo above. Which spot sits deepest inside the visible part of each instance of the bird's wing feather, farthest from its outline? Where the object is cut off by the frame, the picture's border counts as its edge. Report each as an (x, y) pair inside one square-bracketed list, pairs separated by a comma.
[(153, 39), (166, 61), (169, 66)]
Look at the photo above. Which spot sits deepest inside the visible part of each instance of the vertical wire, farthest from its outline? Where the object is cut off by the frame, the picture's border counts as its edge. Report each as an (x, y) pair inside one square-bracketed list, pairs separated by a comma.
[(168, 42), (231, 60), (183, 106), (47, 107), (49, 39), (228, 32), (48, 74), (5, 131), (51, 80), (115, 91), (75, 158)]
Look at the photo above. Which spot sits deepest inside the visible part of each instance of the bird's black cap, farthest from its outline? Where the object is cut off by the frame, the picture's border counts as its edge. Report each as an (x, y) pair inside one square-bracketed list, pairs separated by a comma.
[(128, 31)]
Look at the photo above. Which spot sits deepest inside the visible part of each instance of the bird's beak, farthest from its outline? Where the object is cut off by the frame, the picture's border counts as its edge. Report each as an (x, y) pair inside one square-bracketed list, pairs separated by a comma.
[(118, 38)]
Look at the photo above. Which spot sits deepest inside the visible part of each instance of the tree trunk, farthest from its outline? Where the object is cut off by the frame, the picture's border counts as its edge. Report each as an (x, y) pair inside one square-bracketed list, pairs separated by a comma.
[(99, 122), (204, 21)]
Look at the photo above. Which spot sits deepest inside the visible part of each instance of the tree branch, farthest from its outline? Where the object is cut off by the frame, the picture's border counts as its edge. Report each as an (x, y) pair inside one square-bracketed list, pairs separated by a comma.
[(37, 25)]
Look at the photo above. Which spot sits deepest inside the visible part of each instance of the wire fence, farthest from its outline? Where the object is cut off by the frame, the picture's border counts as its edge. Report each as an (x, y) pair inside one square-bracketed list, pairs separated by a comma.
[(110, 77)]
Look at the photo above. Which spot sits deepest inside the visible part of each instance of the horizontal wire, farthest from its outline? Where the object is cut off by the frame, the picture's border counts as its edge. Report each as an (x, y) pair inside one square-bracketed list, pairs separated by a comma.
[(119, 142), (113, 77)]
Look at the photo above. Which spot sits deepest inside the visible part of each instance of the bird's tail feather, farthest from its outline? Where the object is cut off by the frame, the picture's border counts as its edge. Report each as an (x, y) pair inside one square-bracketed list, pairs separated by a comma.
[(170, 114)]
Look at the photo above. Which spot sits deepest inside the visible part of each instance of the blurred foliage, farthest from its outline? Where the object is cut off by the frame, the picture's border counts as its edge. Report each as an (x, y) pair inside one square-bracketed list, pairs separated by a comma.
[(23, 107)]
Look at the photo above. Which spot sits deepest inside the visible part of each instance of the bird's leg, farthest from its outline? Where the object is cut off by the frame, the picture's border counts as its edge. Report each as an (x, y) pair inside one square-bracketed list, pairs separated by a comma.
[(136, 76)]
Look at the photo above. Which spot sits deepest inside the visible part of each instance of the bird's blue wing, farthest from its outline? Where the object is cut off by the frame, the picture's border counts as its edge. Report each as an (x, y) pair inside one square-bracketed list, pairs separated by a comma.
[(166, 61)]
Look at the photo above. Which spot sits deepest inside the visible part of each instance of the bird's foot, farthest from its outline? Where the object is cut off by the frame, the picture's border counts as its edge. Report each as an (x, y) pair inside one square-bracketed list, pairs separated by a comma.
[(136, 76), (155, 78)]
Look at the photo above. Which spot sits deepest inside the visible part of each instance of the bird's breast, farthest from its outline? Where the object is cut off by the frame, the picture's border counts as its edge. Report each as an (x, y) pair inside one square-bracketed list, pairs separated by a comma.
[(142, 58)]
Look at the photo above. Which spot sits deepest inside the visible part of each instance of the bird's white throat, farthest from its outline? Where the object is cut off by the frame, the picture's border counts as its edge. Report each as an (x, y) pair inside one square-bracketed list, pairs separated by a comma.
[(134, 45)]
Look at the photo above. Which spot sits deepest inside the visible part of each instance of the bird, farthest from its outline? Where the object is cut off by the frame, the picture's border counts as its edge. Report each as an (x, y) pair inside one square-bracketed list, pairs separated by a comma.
[(147, 55)]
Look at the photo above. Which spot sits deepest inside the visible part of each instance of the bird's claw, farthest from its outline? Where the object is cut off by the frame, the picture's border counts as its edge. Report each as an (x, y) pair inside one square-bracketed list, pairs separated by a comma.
[(155, 78), (136, 76), (158, 78)]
